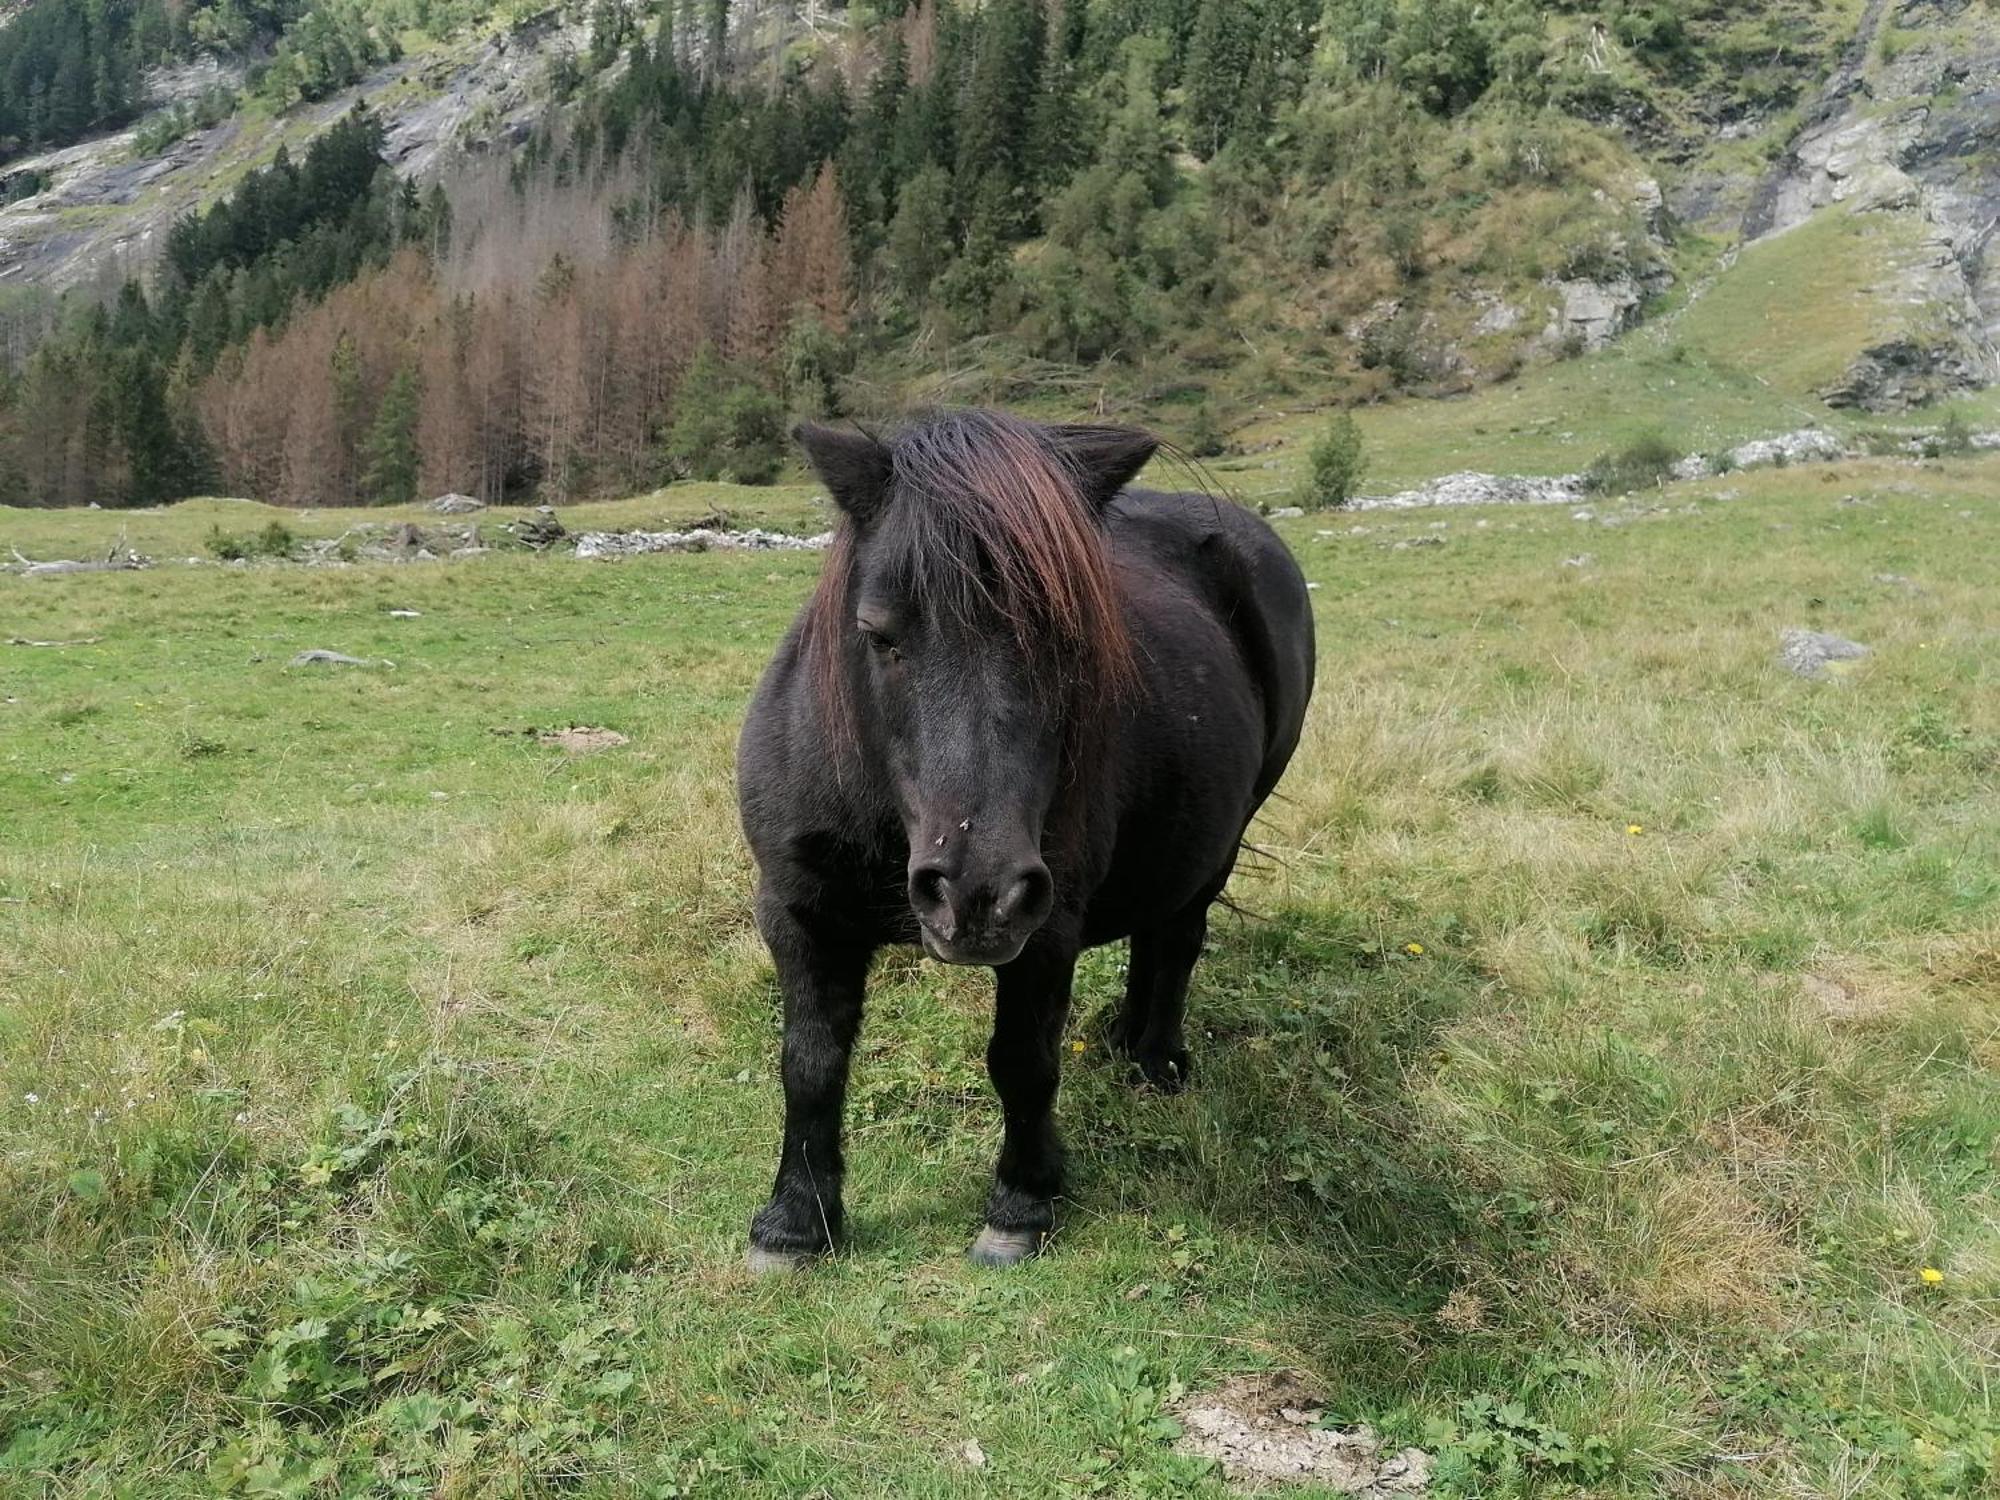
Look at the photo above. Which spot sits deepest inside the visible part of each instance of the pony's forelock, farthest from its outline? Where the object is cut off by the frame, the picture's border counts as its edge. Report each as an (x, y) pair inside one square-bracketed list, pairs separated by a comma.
[(987, 524)]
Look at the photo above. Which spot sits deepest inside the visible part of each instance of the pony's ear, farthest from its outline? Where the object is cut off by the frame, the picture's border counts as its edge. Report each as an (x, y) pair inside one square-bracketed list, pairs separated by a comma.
[(1106, 459), (855, 467)]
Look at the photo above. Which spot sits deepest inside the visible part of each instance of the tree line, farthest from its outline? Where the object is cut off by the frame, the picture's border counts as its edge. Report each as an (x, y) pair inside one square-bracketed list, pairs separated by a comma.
[(1106, 183)]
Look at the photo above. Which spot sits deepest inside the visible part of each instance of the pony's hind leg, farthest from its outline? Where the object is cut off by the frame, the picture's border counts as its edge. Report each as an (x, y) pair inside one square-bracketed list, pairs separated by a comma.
[(1031, 1001), (1129, 1025), (1149, 1030)]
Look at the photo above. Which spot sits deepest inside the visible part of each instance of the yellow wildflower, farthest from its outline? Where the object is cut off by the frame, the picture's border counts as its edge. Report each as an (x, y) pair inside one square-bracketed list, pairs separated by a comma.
[(1415, 950), (1931, 1276), (1635, 829), (1077, 1048)]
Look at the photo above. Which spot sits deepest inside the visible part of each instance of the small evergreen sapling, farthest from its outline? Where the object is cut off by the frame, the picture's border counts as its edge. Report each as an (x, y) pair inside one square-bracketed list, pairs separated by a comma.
[(1335, 465)]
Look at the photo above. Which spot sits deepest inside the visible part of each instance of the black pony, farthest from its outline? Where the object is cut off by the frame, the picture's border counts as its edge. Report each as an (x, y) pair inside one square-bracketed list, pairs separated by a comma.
[(1025, 712)]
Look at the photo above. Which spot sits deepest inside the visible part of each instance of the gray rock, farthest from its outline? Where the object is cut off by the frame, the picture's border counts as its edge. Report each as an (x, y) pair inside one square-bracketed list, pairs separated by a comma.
[(455, 505), (1500, 315), (1915, 370), (1595, 312), (319, 658), (1817, 655), (1287, 512)]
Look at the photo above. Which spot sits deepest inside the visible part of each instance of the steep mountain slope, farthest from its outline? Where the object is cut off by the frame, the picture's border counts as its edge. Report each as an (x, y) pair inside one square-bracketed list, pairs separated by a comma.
[(104, 205)]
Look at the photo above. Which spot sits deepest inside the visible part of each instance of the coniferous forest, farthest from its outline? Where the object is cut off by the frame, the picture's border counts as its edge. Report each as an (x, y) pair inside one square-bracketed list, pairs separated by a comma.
[(736, 217)]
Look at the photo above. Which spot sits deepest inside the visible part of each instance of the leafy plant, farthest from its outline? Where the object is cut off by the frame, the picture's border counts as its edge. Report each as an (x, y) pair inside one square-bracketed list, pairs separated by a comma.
[(1646, 461), (1335, 464), (276, 540)]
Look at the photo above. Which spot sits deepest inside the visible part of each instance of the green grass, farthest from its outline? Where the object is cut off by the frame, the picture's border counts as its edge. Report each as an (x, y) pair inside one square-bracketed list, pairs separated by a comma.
[(384, 1098)]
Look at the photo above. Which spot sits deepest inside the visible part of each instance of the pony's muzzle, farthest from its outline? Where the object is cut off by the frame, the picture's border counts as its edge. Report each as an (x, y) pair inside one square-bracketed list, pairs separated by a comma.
[(979, 919)]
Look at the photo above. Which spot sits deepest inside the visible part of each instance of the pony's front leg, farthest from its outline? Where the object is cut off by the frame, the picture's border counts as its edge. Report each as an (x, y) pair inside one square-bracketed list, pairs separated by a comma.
[(823, 984), (1024, 1059)]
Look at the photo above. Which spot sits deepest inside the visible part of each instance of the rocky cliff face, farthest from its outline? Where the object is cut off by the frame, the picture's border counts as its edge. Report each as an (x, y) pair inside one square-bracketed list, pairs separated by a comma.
[(99, 206), (1907, 129)]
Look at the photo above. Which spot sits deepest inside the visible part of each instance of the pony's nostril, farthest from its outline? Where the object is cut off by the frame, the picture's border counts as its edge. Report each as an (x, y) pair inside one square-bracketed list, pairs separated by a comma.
[(1028, 898), (930, 892)]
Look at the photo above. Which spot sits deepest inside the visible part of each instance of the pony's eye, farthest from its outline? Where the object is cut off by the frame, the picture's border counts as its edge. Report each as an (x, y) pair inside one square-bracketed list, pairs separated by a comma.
[(881, 641)]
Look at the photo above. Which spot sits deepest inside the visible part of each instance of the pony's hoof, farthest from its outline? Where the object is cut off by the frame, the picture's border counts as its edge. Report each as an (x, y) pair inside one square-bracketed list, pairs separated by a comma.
[(1005, 1247), (762, 1262), (1169, 1072)]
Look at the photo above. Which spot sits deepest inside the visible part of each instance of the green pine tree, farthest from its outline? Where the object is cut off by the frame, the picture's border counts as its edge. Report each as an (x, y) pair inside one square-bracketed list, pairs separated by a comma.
[(389, 452)]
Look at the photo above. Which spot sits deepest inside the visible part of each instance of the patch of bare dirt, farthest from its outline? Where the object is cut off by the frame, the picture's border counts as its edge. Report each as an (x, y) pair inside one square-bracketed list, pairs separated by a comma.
[(1852, 997), (1264, 1430), (582, 739)]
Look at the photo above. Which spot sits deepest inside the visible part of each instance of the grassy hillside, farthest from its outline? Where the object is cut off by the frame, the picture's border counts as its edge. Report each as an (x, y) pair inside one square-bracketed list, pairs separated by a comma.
[(1603, 1097), (1743, 354)]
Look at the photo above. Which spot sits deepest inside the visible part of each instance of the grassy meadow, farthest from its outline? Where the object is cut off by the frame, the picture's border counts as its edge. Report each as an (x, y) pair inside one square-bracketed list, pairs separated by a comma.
[(1603, 1095)]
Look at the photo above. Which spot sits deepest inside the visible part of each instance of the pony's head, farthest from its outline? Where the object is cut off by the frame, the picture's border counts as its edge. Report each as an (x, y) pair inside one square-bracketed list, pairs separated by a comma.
[(968, 641)]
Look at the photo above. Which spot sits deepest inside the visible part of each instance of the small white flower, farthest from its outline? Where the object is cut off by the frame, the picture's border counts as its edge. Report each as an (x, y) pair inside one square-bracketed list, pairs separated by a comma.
[(32, 1098)]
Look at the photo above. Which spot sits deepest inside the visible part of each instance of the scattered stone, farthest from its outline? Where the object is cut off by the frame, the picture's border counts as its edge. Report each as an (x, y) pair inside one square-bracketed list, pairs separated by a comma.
[(455, 505), (603, 544), (1287, 512), (1581, 560), (1263, 1429), (1417, 541), (1806, 445), (319, 658), (120, 559), (406, 614), (1817, 655), (581, 739), (1473, 488), (972, 1453), (541, 530), (402, 542)]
